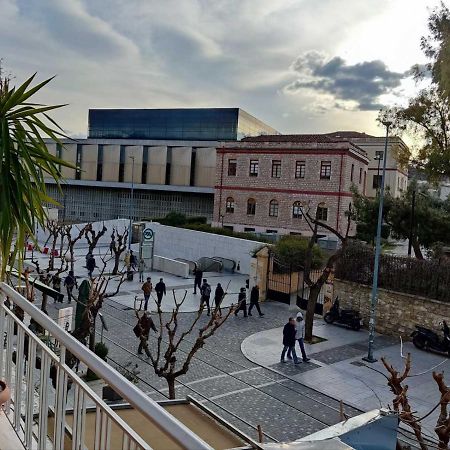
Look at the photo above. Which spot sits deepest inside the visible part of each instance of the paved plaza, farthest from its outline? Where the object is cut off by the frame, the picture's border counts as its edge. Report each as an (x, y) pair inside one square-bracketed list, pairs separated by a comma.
[(238, 373)]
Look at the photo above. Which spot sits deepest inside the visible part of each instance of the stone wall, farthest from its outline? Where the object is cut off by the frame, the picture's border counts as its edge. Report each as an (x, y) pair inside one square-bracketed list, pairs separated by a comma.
[(397, 314)]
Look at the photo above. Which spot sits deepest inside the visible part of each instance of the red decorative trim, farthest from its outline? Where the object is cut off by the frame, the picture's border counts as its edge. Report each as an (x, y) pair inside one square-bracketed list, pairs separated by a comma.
[(256, 151), (286, 191)]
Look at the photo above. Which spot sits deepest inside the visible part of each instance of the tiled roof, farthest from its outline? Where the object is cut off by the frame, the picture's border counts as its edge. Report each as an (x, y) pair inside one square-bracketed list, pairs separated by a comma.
[(348, 134), (306, 138)]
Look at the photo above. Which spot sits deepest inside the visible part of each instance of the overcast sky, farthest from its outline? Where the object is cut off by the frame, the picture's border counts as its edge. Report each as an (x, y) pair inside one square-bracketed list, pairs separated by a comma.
[(302, 66)]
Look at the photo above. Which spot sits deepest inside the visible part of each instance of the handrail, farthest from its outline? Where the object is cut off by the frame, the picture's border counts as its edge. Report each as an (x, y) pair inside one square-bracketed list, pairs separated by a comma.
[(148, 407)]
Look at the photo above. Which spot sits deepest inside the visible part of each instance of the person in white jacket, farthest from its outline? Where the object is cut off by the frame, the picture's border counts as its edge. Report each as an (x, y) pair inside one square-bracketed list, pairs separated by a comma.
[(300, 335)]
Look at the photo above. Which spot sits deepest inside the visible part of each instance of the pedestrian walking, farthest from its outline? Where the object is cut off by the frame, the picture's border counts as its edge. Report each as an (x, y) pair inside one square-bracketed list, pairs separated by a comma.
[(90, 265), (147, 288), (289, 340), (254, 301), (127, 260), (198, 274), (133, 260), (242, 302), (219, 294), (69, 282), (56, 285), (300, 336), (141, 268), (205, 292), (160, 290), (142, 331)]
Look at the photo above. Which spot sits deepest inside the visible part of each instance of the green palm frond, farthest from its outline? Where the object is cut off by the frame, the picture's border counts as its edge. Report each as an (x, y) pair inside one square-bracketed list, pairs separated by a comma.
[(25, 162)]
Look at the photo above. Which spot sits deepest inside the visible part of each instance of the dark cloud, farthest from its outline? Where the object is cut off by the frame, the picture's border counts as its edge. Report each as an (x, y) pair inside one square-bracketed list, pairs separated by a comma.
[(362, 83)]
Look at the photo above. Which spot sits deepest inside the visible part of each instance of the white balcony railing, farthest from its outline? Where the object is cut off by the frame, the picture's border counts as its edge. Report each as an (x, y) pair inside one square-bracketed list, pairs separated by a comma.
[(29, 367)]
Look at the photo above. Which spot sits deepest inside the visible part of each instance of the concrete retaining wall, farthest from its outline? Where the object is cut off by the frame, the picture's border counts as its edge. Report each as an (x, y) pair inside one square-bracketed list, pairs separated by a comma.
[(172, 266), (172, 242), (397, 314)]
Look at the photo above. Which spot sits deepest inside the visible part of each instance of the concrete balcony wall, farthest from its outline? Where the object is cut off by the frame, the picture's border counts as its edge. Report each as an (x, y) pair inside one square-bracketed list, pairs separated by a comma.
[(111, 161)]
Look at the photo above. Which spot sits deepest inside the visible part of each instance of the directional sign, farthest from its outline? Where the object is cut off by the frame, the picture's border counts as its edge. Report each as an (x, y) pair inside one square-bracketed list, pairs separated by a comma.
[(148, 234)]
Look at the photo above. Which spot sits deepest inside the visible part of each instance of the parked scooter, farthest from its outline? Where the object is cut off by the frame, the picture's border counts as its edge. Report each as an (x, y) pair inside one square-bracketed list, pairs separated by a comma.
[(426, 339), (348, 317)]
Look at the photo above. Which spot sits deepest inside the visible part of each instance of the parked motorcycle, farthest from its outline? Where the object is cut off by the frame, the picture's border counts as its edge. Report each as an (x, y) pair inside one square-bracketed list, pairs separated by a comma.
[(348, 317), (426, 339)]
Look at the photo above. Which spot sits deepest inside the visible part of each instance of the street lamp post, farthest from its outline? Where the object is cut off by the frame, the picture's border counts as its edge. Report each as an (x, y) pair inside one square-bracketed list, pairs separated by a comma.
[(411, 222), (131, 202), (378, 158), (374, 299)]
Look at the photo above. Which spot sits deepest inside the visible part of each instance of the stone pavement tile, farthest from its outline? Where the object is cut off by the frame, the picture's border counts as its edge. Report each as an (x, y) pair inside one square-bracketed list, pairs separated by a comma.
[(276, 418), (337, 354), (289, 368)]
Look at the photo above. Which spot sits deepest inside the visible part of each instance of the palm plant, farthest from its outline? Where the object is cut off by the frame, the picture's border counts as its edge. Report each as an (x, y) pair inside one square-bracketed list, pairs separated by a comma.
[(25, 162)]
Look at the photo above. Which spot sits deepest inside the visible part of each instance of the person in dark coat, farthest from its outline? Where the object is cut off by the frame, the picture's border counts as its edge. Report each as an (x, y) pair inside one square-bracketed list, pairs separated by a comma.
[(242, 303), (56, 284), (289, 332), (160, 290), (133, 260), (254, 301), (90, 265), (205, 292), (219, 294), (142, 330), (197, 280), (69, 282)]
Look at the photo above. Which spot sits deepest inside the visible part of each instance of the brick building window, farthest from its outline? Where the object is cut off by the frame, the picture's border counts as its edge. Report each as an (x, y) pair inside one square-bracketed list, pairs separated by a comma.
[(229, 205), (360, 175), (300, 169), (322, 212), (325, 170), (251, 206), (273, 208), (351, 172), (232, 164), (276, 169), (297, 210), (376, 182), (254, 167)]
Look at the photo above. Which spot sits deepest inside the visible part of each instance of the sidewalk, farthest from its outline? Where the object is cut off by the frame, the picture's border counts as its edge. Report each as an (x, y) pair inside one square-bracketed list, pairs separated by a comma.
[(129, 289), (337, 369)]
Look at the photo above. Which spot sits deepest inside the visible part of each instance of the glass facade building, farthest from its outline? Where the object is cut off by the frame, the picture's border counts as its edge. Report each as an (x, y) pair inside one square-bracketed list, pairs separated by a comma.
[(199, 124)]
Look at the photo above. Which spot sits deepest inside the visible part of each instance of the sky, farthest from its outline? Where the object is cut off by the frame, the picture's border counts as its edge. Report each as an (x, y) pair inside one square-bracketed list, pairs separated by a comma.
[(302, 66)]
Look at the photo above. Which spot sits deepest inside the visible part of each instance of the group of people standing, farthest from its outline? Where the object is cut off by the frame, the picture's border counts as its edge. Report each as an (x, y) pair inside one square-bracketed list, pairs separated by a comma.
[(219, 294), (294, 331)]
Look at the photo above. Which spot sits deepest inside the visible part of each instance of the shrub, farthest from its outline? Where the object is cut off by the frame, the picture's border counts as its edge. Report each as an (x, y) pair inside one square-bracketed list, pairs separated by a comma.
[(101, 350), (291, 252)]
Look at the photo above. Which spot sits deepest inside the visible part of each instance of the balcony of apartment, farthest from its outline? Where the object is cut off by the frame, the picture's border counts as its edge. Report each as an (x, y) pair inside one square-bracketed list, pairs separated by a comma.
[(52, 407)]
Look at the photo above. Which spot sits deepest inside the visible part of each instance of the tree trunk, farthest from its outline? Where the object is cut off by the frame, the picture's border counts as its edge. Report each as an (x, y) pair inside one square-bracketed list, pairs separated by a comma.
[(416, 247), (314, 291), (116, 263), (72, 261), (171, 384)]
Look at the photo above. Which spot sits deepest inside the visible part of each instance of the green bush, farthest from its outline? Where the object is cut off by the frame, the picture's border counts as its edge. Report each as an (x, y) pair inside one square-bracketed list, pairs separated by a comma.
[(365, 232), (291, 251), (198, 219), (101, 350)]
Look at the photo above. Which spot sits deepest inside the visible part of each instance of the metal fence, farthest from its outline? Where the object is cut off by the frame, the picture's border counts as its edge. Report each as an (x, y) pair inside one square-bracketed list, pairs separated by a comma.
[(43, 386), (426, 278)]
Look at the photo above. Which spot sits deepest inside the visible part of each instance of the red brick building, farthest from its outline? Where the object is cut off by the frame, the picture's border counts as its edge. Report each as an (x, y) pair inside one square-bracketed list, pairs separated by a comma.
[(265, 183)]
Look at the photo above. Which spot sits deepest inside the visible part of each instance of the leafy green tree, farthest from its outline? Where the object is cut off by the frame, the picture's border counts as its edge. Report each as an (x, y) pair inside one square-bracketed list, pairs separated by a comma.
[(24, 163), (427, 115), (431, 224)]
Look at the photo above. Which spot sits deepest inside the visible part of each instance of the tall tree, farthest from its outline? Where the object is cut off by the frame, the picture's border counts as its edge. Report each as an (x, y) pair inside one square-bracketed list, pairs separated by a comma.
[(25, 162)]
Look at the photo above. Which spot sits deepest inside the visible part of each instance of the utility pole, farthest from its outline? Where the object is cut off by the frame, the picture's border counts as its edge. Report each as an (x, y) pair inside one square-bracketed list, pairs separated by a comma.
[(411, 222), (131, 203), (374, 300)]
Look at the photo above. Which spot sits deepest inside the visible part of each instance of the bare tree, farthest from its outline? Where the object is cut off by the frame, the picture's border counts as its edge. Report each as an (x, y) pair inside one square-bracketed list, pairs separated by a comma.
[(50, 273), (98, 293), (164, 356), (407, 415), (117, 246), (316, 285), (93, 236), (72, 240)]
